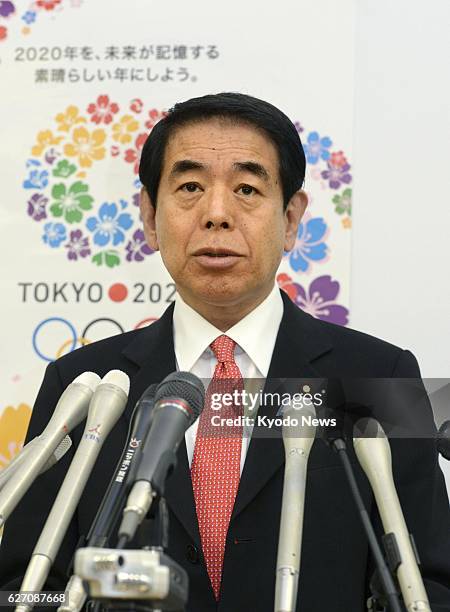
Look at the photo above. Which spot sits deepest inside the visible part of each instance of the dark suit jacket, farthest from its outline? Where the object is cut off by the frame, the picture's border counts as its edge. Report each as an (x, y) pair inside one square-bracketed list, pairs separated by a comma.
[(336, 564)]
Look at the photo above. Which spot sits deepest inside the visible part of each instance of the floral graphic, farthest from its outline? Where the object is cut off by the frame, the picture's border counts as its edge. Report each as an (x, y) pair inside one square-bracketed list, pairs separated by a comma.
[(338, 171), (69, 118), (37, 179), (316, 148), (154, 116), (109, 226), (54, 234), (6, 8), (137, 248), (134, 155), (343, 202), (86, 146), (103, 110), (318, 300), (124, 128), (44, 139), (36, 206), (29, 17), (78, 245), (309, 245), (48, 5), (64, 169), (71, 203), (30, 14), (136, 105), (13, 427)]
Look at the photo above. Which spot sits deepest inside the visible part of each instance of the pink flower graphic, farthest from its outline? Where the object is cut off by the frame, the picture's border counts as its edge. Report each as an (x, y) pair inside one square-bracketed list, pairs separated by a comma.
[(103, 110)]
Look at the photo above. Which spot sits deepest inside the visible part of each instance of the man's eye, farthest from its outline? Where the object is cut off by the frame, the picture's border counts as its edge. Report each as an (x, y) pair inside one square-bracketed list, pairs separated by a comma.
[(189, 187), (247, 190)]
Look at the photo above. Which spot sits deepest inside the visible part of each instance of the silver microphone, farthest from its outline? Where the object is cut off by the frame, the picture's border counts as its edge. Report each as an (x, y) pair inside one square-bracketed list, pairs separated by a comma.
[(70, 410), (107, 405), (298, 431), (374, 455), (18, 460)]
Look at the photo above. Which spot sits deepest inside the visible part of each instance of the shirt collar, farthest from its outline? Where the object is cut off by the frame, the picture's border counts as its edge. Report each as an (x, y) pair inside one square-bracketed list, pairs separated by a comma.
[(255, 334)]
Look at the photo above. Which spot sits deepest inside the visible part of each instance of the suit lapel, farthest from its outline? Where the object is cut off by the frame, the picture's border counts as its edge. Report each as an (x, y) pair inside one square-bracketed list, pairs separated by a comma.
[(300, 341), (153, 351)]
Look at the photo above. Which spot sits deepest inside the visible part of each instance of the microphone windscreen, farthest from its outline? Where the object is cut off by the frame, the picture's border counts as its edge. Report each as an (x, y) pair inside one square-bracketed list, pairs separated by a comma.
[(183, 385)]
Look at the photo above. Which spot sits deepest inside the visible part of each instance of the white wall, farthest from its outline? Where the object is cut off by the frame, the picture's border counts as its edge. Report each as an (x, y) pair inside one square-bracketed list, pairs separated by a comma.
[(400, 261)]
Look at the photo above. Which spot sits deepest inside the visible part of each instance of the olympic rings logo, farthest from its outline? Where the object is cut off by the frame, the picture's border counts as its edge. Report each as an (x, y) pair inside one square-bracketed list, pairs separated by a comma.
[(75, 340)]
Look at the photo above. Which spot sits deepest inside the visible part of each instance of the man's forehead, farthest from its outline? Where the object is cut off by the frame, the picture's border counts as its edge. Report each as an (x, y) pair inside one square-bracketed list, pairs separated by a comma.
[(215, 138)]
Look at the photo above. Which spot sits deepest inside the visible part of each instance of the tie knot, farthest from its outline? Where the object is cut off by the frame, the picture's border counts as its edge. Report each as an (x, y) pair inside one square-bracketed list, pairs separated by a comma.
[(223, 348)]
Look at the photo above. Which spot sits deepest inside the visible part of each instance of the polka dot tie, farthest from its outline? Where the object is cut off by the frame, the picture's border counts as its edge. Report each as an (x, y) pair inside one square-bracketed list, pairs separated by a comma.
[(215, 469)]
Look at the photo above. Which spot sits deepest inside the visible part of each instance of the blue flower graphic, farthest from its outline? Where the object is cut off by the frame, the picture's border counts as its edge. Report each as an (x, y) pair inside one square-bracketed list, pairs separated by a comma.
[(38, 179), (108, 226), (54, 234), (310, 245), (29, 17), (317, 148)]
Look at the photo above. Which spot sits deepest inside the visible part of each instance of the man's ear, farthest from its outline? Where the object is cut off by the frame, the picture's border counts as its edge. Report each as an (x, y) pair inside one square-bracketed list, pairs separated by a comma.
[(148, 213), (293, 215)]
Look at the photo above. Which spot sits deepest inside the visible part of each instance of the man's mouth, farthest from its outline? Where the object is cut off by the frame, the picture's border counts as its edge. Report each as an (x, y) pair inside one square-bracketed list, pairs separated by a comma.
[(217, 258), (217, 253)]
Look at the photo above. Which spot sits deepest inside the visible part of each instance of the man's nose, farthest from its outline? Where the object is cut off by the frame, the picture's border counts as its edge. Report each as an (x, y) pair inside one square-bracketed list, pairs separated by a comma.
[(218, 211)]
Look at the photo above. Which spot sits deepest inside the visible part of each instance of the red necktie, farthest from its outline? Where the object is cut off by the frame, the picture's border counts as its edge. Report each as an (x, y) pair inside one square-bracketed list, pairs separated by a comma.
[(215, 469)]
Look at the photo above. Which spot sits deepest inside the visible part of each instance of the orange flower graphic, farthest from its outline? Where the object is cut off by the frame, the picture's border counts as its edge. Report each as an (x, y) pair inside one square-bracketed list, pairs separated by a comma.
[(45, 139), (124, 128), (86, 146), (68, 119), (13, 427)]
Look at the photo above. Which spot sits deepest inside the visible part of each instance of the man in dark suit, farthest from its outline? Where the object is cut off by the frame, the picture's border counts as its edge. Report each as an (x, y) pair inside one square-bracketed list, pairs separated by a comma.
[(222, 199)]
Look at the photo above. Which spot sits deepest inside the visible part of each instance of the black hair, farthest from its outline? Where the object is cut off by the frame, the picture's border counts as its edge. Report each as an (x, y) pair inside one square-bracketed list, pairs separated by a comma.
[(236, 107)]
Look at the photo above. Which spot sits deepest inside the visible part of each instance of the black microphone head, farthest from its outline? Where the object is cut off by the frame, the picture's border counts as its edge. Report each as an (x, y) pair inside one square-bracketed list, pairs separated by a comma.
[(186, 386), (149, 393), (443, 440)]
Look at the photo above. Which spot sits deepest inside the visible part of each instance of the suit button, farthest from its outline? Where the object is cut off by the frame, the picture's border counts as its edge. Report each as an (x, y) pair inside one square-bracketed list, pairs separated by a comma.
[(192, 553)]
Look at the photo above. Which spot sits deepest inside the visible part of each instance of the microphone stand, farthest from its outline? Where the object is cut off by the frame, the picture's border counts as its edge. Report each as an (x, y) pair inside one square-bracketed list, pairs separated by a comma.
[(384, 593)]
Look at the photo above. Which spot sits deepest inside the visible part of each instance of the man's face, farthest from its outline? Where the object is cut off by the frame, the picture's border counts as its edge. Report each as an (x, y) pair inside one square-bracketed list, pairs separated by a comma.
[(219, 221)]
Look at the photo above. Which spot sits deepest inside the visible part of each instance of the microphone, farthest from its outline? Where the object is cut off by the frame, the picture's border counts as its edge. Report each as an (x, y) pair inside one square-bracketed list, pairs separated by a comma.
[(114, 498), (178, 402), (374, 455), (443, 440), (298, 432), (13, 466), (107, 405), (70, 410)]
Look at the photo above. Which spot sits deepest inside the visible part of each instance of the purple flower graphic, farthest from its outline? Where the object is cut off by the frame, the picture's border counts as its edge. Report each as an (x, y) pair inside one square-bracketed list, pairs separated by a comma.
[(51, 155), (317, 148), (78, 245), (6, 8), (135, 199), (137, 248), (310, 245), (299, 127), (36, 207), (319, 300), (338, 171)]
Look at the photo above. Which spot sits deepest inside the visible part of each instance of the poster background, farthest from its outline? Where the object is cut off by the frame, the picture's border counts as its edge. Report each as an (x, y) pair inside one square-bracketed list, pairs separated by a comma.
[(56, 68), (302, 58)]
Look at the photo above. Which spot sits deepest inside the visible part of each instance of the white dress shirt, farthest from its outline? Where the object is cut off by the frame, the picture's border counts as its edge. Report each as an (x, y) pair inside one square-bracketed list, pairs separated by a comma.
[(254, 335)]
